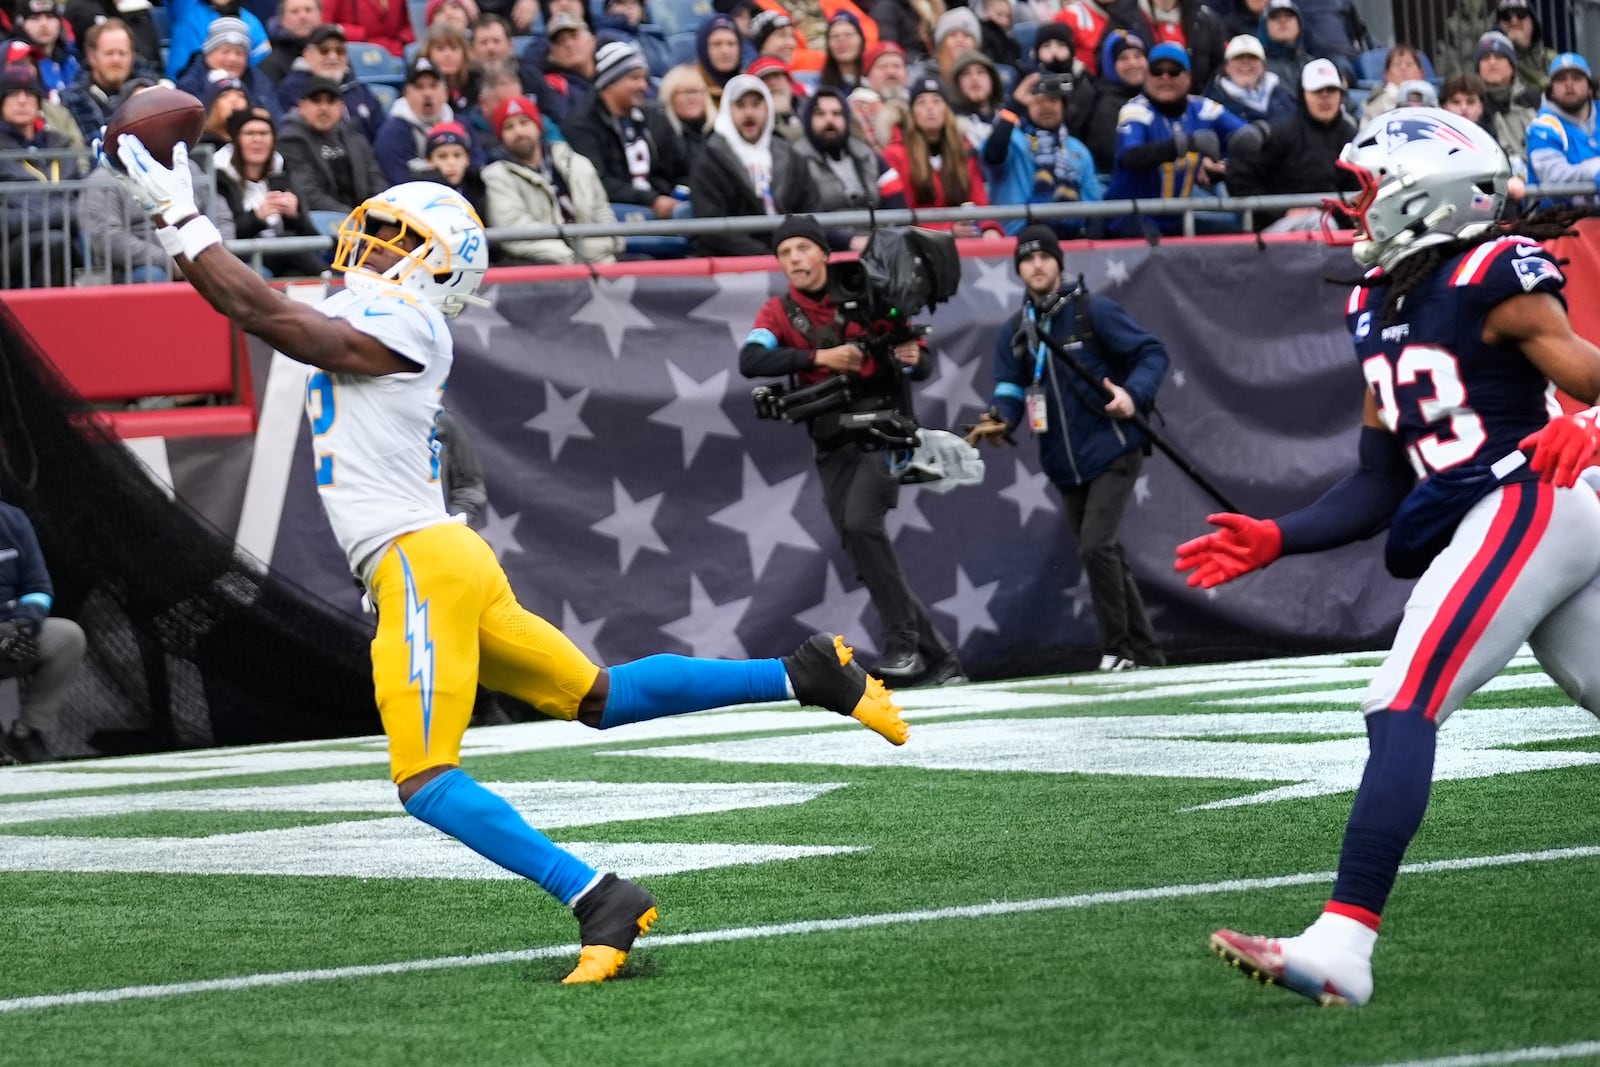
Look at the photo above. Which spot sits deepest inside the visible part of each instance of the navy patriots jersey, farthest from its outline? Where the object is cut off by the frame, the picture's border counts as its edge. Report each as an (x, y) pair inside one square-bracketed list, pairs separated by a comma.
[(1453, 400)]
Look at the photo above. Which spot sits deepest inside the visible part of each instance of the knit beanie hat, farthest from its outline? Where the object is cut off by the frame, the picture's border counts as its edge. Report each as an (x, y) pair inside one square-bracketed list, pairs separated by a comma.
[(614, 60), (1036, 238)]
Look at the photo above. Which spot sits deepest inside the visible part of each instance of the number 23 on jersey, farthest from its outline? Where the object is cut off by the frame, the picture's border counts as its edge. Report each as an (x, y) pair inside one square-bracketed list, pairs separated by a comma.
[(1463, 434)]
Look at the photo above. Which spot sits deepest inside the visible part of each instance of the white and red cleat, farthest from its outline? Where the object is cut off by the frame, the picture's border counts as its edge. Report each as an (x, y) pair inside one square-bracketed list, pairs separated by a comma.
[(1275, 961)]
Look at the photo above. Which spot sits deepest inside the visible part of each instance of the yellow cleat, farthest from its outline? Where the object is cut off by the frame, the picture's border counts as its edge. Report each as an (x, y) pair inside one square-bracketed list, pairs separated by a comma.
[(610, 917), (824, 674)]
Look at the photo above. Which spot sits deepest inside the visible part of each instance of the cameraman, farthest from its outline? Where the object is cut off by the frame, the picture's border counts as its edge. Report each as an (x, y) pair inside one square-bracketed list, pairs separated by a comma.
[(41, 652), (1086, 446), (803, 334)]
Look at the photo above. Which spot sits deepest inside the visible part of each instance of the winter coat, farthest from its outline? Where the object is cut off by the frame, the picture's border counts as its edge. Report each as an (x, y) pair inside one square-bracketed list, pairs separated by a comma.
[(656, 51), (558, 92), (681, 145), (246, 223), (47, 209), (1110, 95), (1291, 154), (401, 139), (1082, 440), (384, 22), (90, 106), (1013, 165), (806, 184), (287, 50), (58, 68), (25, 590), (122, 236), (898, 159), (1270, 101), (188, 22), (899, 22), (306, 156), (196, 75), (520, 195), (720, 188), (1149, 167), (592, 131)]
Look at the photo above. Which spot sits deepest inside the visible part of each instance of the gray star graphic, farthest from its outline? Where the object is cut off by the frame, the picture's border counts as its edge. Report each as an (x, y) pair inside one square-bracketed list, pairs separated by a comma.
[(1116, 272), (735, 302), (632, 524), (906, 515), (954, 387), (500, 531), (1179, 379), (998, 279), (696, 411), (1080, 597), (840, 612), (482, 321), (1141, 489), (765, 515), (561, 418), (970, 607), (710, 629), (1030, 492), (610, 307), (581, 633)]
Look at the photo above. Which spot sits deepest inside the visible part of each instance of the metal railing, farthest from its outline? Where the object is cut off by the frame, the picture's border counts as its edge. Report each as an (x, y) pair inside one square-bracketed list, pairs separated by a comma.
[(94, 264)]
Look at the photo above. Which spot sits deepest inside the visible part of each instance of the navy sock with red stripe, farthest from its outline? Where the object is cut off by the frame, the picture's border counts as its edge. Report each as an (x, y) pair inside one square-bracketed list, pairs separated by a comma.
[(1389, 807)]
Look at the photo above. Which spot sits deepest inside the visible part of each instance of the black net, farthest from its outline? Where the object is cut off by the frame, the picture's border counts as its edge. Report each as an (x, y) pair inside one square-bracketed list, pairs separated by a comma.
[(190, 643)]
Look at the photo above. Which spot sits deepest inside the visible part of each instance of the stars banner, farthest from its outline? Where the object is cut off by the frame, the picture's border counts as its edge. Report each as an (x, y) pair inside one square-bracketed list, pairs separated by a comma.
[(636, 500)]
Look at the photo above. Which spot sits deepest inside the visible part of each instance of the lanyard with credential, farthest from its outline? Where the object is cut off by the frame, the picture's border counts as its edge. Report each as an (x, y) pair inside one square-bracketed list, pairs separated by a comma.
[(1033, 396)]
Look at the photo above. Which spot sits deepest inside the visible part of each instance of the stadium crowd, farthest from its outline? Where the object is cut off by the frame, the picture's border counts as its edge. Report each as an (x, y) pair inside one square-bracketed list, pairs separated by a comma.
[(569, 111)]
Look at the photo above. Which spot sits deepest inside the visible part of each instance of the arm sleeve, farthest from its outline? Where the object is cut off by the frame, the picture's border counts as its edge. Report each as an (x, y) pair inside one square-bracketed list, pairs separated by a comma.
[(400, 322), (1135, 149), (463, 471), (1089, 187), (1010, 377), (767, 352), (35, 594), (1547, 154), (998, 147), (1358, 505), (1147, 357)]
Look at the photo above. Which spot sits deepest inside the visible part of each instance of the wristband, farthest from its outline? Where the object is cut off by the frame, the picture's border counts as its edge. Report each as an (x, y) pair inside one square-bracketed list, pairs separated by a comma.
[(170, 241), (198, 234)]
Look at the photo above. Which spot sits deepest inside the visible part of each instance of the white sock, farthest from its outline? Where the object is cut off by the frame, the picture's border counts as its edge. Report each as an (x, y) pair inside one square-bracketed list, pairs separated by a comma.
[(1340, 933)]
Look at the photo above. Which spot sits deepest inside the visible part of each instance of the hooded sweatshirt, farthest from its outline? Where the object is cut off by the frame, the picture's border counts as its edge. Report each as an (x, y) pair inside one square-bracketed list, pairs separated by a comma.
[(734, 176)]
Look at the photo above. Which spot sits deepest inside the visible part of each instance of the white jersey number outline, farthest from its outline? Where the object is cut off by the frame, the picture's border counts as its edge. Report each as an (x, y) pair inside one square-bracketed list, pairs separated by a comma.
[(1448, 401)]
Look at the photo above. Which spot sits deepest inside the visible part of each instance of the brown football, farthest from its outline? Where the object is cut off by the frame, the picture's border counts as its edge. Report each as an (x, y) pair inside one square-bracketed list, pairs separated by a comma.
[(159, 117)]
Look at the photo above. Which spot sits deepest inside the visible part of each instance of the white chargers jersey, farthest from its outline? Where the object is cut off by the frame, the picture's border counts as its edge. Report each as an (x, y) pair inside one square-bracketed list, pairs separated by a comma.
[(373, 436)]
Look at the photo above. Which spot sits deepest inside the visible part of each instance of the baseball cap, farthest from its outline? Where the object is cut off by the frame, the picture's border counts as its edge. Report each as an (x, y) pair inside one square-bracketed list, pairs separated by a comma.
[(446, 133), (227, 30), (1570, 61), (561, 23), (315, 86), (1282, 5), (1246, 44), (1320, 74), (329, 32), (217, 86), (1037, 237), (1423, 92), (1513, 5), (41, 7), (877, 52), (1171, 52), (421, 67), (516, 105)]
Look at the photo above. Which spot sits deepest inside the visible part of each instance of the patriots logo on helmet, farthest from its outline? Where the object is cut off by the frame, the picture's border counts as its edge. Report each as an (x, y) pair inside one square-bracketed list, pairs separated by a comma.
[(1534, 269), (1402, 129)]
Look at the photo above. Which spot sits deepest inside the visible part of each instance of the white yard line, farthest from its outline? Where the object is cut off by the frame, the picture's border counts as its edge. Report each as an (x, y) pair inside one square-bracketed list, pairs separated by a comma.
[(749, 933), (1538, 1054)]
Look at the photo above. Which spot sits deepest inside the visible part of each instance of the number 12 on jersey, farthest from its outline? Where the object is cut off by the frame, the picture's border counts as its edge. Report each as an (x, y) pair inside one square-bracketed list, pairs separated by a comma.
[(1463, 435), (320, 408)]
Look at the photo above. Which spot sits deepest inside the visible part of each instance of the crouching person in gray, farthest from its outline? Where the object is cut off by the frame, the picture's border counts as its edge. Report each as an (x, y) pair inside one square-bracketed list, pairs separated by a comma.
[(41, 652)]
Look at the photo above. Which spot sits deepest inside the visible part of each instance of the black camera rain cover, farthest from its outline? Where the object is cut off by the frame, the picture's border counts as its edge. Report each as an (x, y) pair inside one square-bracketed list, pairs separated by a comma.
[(909, 269)]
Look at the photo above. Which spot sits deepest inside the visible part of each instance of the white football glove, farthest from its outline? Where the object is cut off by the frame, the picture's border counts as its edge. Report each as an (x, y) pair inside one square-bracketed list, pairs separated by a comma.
[(166, 193)]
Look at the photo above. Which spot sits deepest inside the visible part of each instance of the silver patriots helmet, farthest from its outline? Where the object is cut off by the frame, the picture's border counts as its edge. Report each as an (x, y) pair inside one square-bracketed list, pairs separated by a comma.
[(1427, 177)]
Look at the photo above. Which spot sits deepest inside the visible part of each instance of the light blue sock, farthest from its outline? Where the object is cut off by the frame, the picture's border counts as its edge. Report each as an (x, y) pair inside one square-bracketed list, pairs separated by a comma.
[(485, 823), (672, 685)]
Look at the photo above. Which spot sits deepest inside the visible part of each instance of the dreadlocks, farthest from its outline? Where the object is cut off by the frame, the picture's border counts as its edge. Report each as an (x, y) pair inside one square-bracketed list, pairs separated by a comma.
[(1545, 225)]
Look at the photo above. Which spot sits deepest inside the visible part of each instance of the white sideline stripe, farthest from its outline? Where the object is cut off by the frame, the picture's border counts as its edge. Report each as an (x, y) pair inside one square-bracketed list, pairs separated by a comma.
[(1537, 1054), (750, 933)]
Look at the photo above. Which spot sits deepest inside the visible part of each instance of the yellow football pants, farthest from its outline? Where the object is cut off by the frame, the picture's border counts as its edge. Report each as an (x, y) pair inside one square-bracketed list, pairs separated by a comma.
[(447, 618)]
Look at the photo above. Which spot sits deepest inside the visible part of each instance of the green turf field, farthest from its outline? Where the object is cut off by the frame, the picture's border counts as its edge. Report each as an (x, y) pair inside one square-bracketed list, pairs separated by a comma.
[(1030, 881)]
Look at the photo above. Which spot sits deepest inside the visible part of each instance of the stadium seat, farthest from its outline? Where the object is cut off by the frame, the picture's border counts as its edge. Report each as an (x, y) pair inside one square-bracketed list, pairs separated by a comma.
[(418, 10), (375, 63), (682, 45), (327, 222), (1025, 34), (411, 51), (385, 93), (653, 247), (158, 15), (679, 16)]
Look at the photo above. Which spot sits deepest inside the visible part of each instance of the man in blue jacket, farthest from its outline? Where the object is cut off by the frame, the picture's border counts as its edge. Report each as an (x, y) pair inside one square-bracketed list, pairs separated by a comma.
[(40, 651), (1087, 447)]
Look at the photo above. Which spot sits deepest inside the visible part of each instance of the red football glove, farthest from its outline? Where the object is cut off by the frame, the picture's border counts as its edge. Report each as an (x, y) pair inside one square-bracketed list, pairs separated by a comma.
[(1241, 545), (1564, 447)]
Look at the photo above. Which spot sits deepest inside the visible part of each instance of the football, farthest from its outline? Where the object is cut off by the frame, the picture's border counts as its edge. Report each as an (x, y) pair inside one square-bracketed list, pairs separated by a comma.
[(160, 118)]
